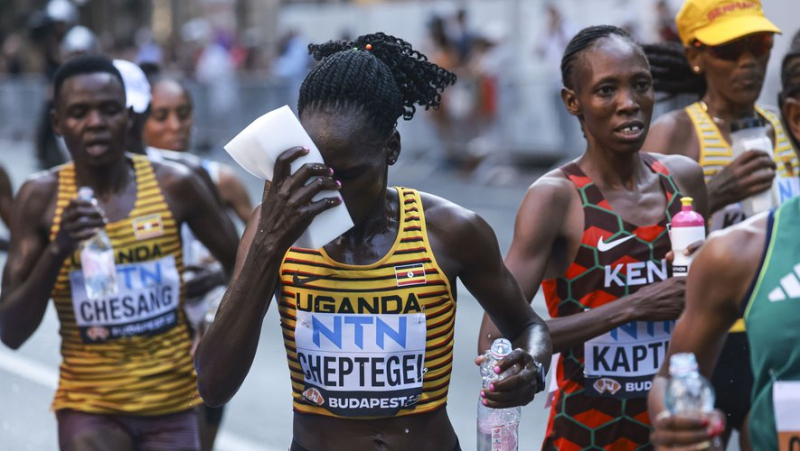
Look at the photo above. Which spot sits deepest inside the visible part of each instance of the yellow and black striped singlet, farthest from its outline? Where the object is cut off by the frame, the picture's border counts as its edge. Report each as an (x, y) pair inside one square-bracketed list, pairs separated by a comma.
[(369, 341), (716, 153), (129, 353)]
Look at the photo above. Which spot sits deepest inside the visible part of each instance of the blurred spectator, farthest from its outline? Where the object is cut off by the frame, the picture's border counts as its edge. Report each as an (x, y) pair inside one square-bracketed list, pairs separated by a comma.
[(50, 149), (550, 49), (149, 50), (460, 35), (48, 28), (291, 65), (78, 41), (217, 72), (492, 56), (11, 56), (667, 31)]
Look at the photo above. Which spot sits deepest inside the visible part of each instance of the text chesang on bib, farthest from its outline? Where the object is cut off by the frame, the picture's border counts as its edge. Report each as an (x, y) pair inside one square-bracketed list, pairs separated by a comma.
[(146, 303)]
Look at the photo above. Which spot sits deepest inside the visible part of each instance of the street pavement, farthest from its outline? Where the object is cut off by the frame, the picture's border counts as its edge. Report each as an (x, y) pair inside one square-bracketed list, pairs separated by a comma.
[(259, 416)]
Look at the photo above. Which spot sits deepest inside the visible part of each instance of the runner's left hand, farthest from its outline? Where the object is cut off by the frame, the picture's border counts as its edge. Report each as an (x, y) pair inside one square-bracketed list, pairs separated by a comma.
[(519, 384)]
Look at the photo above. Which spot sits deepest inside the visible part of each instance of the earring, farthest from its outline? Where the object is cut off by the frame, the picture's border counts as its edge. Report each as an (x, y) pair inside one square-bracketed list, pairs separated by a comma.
[(696, 69), (392, 161)]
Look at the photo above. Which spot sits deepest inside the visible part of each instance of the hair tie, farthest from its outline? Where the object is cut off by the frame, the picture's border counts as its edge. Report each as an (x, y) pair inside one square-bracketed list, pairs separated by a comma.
[(368, 47)]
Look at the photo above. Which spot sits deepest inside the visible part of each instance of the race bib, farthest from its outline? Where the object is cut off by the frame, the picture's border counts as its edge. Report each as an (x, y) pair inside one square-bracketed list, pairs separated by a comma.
[(361, 364), (146, 302), (788, 187), (622, 362), (786, 398), (726, 217)]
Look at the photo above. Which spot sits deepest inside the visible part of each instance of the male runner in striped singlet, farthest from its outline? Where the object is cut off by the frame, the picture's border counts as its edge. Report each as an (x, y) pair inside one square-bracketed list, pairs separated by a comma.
[(126, 379), (368, 320), (750, 270), (594, 234), (726, 47)]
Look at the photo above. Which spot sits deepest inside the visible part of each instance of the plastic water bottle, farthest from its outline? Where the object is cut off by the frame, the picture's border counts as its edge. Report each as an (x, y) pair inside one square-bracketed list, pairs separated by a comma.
[(751, 134), (498, 429), (688, 392), (686, 228), (97, 259)]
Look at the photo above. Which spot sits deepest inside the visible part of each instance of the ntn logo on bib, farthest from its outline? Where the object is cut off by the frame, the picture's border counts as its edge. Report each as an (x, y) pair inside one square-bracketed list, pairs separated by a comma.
[(146, 303)]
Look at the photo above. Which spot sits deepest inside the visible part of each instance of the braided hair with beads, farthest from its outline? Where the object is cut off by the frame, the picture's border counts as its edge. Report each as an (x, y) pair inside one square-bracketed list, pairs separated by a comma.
[(378, 75)]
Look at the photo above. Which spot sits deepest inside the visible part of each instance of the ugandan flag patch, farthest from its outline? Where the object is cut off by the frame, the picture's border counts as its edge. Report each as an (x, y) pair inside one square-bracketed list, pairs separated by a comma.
[(149, 226), (410, 275)]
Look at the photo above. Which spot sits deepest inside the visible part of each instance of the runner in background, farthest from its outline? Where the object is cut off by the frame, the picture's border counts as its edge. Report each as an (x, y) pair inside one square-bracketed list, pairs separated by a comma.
[(723, 59), (594, 235), (167, 134), (169, 127), (204, 276), (390, 280), (126, 376), (749, 270)]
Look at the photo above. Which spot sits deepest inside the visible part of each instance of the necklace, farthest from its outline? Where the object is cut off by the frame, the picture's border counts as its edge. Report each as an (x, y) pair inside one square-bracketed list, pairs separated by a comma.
[(717, 120)]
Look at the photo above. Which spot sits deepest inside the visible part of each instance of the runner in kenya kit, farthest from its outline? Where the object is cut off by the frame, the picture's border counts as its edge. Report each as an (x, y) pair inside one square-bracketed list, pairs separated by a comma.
[(595, 233)]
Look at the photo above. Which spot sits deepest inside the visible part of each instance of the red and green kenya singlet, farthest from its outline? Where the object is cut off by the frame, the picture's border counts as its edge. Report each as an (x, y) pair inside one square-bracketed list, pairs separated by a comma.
[(601, 401), (369, 341)]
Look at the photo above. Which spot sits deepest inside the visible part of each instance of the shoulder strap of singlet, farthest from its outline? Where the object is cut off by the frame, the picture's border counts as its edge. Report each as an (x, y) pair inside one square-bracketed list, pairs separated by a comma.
[(748, 298), (576, 175), (782, 143)]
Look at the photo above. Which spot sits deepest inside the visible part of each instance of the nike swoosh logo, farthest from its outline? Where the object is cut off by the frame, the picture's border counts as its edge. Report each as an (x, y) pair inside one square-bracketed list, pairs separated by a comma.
[(302, 281), (604, 246)]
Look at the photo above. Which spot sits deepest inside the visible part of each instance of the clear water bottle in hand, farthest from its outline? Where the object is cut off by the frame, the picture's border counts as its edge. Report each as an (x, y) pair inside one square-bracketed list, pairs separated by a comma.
[(97, 259), (689, 394), (498, 429)]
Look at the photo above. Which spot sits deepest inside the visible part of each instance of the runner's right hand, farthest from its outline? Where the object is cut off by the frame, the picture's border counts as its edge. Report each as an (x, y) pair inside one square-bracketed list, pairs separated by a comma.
[(80, 221), (661, 301), (288, 209), (685, 433), (749, 174)]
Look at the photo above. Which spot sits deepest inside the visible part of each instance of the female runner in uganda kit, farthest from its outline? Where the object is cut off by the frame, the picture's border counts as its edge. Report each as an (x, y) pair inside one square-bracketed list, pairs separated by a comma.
[(369, 341), (603, 384)]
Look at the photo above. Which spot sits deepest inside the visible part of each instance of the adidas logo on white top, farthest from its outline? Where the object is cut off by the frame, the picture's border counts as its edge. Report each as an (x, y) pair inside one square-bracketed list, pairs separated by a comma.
[(789, 288)]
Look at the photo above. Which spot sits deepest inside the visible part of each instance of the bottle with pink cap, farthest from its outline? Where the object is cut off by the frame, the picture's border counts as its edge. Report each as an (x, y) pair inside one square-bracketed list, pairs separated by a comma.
[(687, 227)]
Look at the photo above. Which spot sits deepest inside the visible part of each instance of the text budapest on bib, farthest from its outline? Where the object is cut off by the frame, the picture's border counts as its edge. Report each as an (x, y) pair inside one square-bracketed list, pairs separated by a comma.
[(361, 365)]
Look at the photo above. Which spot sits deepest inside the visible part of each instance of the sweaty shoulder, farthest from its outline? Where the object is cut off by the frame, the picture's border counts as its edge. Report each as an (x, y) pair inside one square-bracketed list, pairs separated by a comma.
[(673, 133), (688, 175), (552, 187), (37, 196), (179, 183), (441, 215), (685, 170), (458, 236)]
